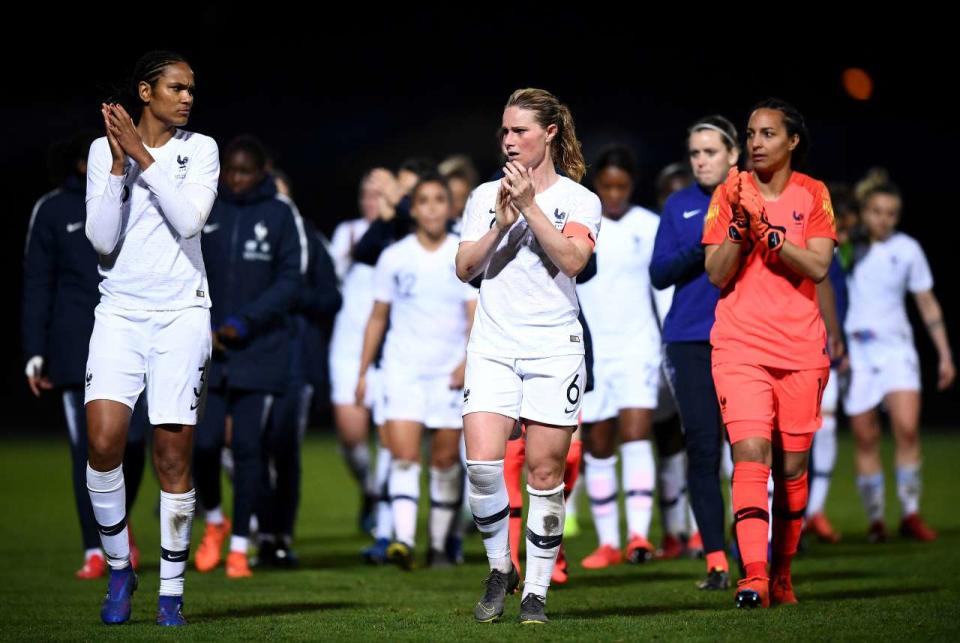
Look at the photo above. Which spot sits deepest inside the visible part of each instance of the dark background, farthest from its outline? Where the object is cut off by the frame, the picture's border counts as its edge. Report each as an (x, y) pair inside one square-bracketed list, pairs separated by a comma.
[(334, 97)]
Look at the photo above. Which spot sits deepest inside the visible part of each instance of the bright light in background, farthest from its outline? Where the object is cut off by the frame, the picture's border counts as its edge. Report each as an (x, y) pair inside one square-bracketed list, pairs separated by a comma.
[(858, 83)]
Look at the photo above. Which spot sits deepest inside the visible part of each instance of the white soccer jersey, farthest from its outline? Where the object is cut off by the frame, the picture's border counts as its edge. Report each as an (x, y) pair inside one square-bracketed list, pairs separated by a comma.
[(344, 237), (346, 343), (879, 283), (428, 318), (618, 301), (528, 308), (152, 267)]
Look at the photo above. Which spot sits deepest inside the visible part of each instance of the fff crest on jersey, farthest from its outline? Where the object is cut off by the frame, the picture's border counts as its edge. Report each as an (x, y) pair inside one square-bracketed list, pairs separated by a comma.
[(258, 248)]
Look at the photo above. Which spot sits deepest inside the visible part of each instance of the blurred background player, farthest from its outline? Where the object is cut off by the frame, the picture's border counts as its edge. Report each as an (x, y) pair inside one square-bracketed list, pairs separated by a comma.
[(884, 367), (618, 307), (415, 287), (256, 254), (59, 295), (713, 149)]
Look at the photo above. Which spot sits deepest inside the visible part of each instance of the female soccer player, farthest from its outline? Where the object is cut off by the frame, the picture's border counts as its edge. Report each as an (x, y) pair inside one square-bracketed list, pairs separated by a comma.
[(150, 187), (529, 234), (415, 288), (713, 148), (618, 306), (770, 237), (883, 361)]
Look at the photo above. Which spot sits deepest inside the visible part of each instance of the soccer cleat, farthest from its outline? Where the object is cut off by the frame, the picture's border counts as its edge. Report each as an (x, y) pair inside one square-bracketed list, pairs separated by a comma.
[(912, 526), (120, 588), (170, 611), (560, 575), (781, 591), (695, 546), (490, 607), (93, 567), (716, 579), (401, 554), (237, 565), (532, 610), (819, 526), (753, 592), (639, 550), (208, 553), (877, 533), (376, 554), (284, 557), (671, 548), (571, 528), (603, 557)]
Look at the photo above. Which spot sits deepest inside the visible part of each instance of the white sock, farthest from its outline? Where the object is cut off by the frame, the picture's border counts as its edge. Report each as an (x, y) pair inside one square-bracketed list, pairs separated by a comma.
[(673, 493), (491, 510), (824, 456), (239, 544), (404, 497), (601, 476), (214, 516), (109, 497), (908, 488), (176, 519), (639, 472), (444, 503), (871, 494), (770, 507), (726, 467), (544, 536), (384, 528), (357, 458)]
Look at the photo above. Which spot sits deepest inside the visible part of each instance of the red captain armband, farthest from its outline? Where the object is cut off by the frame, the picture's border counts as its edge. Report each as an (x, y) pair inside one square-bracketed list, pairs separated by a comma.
[(575, 230)]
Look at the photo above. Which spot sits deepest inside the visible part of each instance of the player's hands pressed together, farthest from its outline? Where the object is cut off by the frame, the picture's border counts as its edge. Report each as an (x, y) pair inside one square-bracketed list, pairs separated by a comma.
[(518, 181), (739, 228), (772, 236), (124, 131)]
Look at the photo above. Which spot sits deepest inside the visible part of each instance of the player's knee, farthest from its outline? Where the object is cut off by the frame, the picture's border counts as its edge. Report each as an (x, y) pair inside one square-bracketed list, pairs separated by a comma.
[(171, 466), (485, 477), (545, 475)]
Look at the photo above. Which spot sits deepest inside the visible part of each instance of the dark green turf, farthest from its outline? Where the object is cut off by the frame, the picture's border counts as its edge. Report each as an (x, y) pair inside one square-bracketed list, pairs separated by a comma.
[(897, 591)]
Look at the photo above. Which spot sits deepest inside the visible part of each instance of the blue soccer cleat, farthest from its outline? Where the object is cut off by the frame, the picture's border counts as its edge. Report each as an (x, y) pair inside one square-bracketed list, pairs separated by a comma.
[(120, 588), (170, 611), (376, 554)]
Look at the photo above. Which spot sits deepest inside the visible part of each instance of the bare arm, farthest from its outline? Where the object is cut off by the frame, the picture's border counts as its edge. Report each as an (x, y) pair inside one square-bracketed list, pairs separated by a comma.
[(932, 316), (372, 338), (812, 261), (459, 374), (722, 262), (828, 310)]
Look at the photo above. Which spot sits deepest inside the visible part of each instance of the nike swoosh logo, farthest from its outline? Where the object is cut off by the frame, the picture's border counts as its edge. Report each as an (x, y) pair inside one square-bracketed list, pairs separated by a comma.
[(569, 410), (194, 407), (690, 213), (492, 211), (73, 227), (213, 227)]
